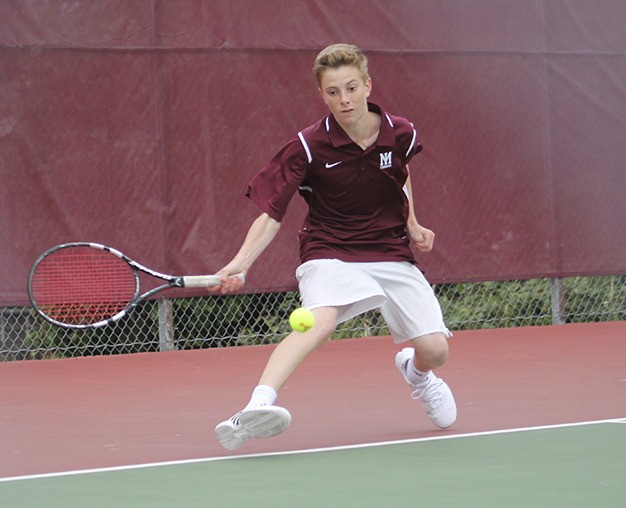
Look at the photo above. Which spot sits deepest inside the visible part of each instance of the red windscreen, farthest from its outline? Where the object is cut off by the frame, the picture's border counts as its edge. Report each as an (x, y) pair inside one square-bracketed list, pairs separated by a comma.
[(140, 124)]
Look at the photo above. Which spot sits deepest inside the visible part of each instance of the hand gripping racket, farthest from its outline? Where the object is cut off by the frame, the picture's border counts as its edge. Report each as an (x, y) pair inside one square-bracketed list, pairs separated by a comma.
[(88, 285)]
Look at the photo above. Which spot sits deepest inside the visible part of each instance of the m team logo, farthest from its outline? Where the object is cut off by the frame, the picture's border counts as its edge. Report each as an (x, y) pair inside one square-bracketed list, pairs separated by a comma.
[(385, 160)]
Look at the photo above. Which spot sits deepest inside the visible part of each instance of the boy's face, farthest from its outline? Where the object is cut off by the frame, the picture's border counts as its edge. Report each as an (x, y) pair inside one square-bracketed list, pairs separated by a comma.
[(345, 93)]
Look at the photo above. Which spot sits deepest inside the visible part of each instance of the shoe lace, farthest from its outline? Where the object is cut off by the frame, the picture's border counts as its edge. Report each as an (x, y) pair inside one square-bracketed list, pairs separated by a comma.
[(429, 393)]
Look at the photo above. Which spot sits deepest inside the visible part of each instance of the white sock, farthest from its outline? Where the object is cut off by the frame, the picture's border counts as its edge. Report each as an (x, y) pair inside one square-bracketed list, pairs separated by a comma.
[(262, 395), (415, 376)]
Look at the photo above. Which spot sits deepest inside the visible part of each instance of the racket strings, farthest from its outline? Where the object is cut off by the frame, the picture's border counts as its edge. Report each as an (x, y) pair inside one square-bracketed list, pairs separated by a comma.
[(81, 285)]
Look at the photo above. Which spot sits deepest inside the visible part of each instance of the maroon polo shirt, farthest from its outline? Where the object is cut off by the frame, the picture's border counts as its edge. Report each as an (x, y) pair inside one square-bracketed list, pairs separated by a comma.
[(357, 205)]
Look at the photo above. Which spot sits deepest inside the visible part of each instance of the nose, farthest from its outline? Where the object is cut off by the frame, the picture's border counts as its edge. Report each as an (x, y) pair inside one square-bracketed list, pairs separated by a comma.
[(345, 98)]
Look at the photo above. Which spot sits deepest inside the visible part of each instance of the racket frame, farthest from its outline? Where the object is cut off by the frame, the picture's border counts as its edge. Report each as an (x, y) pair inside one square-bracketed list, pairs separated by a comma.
[(172, 281)]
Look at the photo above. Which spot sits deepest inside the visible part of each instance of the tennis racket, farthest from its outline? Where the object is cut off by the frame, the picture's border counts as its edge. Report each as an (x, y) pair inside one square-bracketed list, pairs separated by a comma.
[(88, 285)]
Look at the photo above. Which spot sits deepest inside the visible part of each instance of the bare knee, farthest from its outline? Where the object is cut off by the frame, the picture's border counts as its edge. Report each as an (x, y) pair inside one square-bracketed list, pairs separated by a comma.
[(431, 351), (323, 331), (325, 324)]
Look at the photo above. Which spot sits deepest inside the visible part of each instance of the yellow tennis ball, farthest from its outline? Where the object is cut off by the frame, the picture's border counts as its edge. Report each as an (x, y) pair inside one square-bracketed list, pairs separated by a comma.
[(301, 319)]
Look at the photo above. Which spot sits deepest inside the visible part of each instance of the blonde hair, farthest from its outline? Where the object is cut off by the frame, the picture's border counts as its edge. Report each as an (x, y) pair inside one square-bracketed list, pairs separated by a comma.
[(339, 55)]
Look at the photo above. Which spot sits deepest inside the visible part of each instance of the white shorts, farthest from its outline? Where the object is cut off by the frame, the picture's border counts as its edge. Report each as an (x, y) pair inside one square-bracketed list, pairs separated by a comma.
[(405, 298)]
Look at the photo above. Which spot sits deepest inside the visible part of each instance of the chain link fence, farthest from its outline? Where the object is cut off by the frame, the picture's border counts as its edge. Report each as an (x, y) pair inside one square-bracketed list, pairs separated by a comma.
[(224, 321)]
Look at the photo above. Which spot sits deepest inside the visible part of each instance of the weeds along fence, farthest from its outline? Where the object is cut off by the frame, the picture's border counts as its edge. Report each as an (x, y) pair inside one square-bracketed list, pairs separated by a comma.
[(261, 318)]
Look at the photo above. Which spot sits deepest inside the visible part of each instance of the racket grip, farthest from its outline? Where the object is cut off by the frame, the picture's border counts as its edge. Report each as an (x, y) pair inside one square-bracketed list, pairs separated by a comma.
[(204, 281)]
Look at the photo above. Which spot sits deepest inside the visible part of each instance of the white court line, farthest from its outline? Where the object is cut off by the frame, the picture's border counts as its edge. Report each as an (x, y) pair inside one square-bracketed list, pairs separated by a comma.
[(298, 452)]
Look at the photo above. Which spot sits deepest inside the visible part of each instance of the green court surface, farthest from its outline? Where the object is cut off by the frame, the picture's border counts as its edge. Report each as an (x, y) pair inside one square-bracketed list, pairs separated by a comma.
[(568, 466)]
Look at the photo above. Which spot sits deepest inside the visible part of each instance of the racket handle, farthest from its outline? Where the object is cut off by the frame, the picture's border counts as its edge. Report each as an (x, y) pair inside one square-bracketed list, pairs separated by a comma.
[(205, 281)]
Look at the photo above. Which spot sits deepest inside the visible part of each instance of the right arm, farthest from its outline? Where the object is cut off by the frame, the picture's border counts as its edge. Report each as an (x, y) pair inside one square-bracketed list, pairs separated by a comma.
[(260, 235), (271, 189)]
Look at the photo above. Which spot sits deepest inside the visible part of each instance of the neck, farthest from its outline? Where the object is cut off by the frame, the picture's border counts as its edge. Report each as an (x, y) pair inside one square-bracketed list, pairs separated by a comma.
[(365, 132)]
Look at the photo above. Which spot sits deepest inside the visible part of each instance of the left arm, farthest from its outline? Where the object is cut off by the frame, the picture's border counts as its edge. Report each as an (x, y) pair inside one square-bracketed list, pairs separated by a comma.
[(423, 237)]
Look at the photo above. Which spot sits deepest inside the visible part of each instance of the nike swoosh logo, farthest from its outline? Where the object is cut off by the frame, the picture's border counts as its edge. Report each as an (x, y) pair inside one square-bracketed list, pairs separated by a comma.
[(328, 166)]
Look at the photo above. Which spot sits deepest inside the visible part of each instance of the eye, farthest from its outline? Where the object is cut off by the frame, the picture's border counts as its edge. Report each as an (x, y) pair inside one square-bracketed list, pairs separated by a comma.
[(353, 88)]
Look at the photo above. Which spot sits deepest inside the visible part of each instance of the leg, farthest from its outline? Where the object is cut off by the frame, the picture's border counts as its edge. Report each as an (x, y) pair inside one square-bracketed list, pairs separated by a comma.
[(335, 291), (260, 418), (294, 348), (413, 315), (416, 364), (431, 351)]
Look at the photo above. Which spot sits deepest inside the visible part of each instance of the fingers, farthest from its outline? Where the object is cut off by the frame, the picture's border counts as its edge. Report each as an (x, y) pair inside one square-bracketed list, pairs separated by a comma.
[(424, 247), (425, 241), (230, 284)]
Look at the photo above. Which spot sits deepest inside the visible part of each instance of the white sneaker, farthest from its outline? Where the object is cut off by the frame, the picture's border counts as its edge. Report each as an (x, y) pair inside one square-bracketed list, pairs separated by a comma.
[(265, 421), (230, 434), (437, 399), (260, 422)]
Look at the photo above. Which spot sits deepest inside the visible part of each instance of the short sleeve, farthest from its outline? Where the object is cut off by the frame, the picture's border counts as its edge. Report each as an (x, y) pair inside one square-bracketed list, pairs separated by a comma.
[(274, 186), (406, 138)]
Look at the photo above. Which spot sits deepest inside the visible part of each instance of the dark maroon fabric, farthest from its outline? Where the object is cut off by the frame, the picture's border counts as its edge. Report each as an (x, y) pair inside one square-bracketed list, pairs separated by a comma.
[(357, 205)]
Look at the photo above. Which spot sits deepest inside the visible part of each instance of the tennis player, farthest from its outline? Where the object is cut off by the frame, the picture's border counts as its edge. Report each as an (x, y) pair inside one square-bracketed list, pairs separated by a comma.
[(351, 168)]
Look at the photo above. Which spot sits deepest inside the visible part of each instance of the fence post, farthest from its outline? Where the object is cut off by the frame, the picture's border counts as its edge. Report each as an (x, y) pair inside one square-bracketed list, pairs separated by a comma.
[(166, 325), (558, 300)]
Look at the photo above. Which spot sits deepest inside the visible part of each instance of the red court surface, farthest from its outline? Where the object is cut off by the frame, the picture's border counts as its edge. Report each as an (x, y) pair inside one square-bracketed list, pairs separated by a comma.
[(75, 414)]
